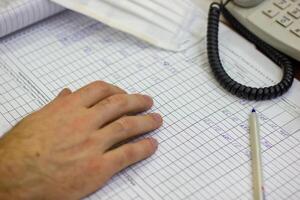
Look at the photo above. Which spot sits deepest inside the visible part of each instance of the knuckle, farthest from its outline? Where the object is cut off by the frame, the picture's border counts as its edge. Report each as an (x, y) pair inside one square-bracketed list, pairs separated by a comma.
[(119, 126), (121, 162), (77, 125), (127, 122), (119, 100), (98, 83), (129, 154), (124, 126), (123, 159), (139, 97), (100, 86), (120, 90), (93, 165)]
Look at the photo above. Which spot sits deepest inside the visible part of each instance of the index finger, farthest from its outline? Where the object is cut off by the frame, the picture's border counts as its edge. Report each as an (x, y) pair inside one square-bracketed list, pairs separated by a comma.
[(96, 91)]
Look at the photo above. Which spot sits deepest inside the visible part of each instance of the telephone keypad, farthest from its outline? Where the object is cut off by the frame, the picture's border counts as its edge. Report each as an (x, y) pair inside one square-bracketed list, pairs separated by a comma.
[(282, 4), (271, 12), (295, 12), (284, 21), (296, 31), (285, 13), (277, 22)]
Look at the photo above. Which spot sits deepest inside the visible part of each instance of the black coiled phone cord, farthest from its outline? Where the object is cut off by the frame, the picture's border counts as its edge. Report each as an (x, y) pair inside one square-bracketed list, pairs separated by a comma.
[(224, 79)]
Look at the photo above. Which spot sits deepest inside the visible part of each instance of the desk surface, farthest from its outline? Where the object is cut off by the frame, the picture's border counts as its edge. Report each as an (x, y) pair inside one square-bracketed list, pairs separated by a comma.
[(206, 3)]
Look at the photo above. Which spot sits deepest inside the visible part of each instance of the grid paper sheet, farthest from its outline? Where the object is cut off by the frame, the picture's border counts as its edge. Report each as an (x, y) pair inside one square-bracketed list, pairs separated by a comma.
[(204, 144), (17, 14)]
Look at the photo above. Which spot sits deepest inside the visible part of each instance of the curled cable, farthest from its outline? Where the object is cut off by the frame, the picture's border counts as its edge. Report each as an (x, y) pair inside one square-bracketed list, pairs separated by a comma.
[(224, 79)]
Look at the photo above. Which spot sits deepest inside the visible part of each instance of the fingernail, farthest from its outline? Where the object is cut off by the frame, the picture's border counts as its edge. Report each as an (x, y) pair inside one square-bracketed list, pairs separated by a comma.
[(148, 98), (154, 142), (157, 117)]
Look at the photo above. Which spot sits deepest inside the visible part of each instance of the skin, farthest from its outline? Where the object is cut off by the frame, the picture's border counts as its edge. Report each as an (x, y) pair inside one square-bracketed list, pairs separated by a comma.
[(71, 147)]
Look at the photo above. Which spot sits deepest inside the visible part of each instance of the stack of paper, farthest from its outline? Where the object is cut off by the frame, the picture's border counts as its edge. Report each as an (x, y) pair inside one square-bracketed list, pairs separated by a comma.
[(164, 23), (17, 14)]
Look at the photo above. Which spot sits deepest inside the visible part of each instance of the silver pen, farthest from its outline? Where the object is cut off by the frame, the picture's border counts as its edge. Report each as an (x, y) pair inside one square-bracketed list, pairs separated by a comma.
[(258, 187)]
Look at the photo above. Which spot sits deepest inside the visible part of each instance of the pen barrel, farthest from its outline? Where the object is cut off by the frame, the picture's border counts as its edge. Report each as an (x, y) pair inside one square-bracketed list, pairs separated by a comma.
[(256, 158)]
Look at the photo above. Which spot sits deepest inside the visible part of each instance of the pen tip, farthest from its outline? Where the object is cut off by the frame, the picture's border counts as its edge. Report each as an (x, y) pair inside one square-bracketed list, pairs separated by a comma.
[(253, 110)]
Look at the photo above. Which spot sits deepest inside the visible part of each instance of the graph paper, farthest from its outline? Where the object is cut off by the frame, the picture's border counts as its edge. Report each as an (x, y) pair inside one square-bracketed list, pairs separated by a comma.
[(204, 144)]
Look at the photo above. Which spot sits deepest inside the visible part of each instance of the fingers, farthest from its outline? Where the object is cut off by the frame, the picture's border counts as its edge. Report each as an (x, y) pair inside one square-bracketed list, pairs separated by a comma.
[(117, 106), (127, 127), (95, 92), (64, 92), (129, 154)]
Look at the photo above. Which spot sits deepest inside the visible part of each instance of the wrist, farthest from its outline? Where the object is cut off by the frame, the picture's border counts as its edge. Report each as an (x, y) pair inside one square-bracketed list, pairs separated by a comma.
[(16, 178)]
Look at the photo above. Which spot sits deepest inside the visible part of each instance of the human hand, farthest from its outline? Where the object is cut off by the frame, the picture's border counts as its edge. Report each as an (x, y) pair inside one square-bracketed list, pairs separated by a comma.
[(64, 151)]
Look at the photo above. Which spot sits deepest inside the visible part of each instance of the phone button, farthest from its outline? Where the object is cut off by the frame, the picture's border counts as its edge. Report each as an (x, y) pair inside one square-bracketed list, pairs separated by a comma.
[(282, 4), (295, 12), (271, 12), (296, 31), (284, 21)]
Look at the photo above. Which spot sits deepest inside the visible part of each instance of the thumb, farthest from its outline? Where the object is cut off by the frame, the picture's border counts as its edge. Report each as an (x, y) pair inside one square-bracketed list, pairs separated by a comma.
[(64, 92)]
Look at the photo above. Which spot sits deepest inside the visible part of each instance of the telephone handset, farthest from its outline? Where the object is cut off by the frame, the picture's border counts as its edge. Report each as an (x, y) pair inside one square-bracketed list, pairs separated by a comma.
[(247, 3), (250, 19)]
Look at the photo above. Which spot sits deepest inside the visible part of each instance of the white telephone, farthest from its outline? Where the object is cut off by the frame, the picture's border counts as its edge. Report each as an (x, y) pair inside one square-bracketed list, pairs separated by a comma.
[(272, 25), (277, 22)]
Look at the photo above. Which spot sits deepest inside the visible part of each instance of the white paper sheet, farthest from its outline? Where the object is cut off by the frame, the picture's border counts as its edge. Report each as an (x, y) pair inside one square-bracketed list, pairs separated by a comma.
[(204, 145), (17, 14), (164, 23)]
